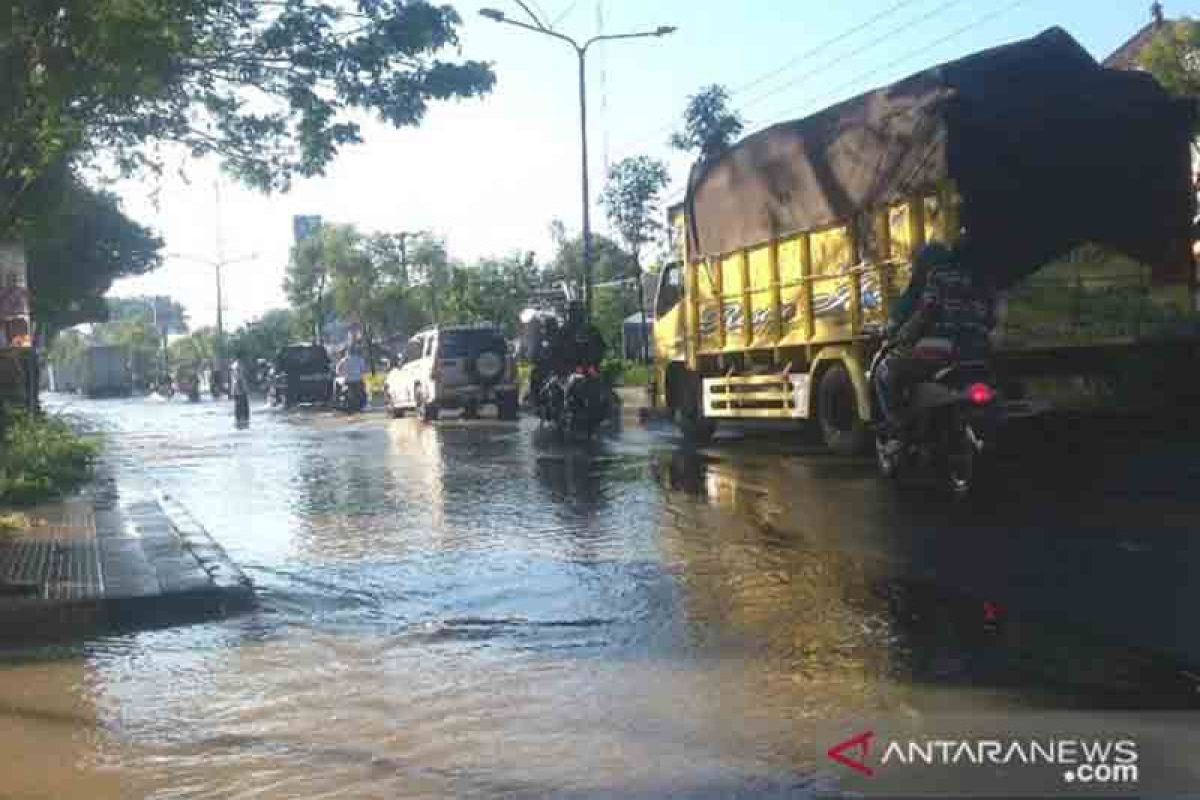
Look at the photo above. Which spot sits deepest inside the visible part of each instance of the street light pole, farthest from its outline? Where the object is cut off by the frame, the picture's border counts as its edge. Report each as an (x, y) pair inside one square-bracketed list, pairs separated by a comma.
[(587, 211), (581, 53)]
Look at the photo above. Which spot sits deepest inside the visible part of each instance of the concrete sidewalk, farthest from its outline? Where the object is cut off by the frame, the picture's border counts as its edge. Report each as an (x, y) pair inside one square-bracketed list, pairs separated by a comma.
[(102, 561)]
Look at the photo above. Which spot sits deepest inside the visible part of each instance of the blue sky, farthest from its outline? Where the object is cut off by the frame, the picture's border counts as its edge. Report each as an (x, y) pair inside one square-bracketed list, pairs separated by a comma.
[(490, 175)]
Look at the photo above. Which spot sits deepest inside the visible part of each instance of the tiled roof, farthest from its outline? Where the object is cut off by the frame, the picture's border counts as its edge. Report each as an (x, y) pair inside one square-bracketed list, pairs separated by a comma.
[(1126, 56)]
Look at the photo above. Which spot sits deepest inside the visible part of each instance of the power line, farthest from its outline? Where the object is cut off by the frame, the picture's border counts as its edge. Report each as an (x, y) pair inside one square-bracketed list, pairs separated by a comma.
[(919, 51), (563, 14), (756, 99), (825, 44), (788, 65), (525, 7)]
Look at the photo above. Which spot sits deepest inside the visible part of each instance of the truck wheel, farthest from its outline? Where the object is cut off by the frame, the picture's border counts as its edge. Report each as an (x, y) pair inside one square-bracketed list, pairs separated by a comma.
[(428, 412), (394, 411), (844, 431), (694, 427), (684, 397)]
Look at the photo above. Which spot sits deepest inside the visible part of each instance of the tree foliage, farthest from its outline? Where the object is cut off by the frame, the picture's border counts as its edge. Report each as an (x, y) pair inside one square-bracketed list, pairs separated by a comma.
[(193, 352), (78, 243), (264, 337), (709, 125), (631, 199), (609, 260), (166, 313), (307, 284), (1173, 57), (271, 87)]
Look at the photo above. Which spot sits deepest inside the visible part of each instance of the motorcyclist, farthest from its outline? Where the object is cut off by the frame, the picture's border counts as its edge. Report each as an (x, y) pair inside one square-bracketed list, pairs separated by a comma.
[(578, 344), (542, 368), (350, 370), (945, 314)]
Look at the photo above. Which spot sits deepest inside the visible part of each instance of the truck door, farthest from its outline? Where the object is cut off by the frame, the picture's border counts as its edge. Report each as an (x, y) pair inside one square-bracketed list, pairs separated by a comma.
[(669, 339)]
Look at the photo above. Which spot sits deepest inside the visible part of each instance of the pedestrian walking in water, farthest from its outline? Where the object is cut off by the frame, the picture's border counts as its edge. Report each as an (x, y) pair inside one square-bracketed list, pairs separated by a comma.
[(240, 390)]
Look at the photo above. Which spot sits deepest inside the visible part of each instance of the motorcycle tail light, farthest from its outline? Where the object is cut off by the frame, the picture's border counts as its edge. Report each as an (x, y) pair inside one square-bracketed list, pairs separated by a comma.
[(980, 394)]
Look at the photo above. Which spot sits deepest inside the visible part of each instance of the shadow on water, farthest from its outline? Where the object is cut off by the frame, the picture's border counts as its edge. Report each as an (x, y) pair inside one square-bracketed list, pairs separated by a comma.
[(834, 570)]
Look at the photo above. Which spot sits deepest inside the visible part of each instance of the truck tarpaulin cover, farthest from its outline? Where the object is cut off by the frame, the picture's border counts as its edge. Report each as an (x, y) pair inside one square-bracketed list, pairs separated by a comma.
[(1047, 148)]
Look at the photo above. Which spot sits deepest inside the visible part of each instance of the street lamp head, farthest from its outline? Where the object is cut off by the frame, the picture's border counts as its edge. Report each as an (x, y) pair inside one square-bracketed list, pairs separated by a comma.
[(664, 30), (492, 14)]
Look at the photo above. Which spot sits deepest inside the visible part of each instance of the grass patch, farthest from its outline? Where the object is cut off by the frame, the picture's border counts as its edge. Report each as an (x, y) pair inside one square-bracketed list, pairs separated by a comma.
[(41, 458), (620, 372), (13, 522)]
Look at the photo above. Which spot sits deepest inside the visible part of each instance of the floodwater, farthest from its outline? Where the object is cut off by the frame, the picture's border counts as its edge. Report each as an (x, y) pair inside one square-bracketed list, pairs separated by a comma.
[(479, 609)]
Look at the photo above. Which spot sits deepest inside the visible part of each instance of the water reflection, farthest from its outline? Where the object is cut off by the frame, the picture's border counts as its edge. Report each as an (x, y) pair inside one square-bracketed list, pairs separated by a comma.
[(851, 623), (472, 609)]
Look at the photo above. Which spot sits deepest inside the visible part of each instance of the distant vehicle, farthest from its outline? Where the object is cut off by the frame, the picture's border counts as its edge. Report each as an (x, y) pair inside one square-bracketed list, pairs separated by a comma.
[(458, 366), (302, 373), (107, 372), (187, 382), (349, 397)]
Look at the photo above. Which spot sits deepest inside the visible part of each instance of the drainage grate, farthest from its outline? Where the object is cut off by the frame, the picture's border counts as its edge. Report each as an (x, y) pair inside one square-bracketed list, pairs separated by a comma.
[(25, 564), (74, 571), (53, 570)]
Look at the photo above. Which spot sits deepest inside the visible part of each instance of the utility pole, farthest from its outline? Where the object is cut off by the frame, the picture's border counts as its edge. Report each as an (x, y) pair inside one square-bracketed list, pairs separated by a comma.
[(219, 264), (581, 53)]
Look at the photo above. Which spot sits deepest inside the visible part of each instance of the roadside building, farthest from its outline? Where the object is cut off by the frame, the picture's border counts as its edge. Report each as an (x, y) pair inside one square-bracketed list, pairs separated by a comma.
[(18, 362)]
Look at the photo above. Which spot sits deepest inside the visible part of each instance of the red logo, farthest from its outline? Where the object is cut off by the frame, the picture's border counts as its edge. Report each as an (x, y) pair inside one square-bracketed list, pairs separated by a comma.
[(860, 742)]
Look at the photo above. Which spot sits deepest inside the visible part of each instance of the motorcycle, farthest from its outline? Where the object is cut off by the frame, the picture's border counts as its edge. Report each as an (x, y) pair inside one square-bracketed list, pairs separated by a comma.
[(350, 397), (953, 417), (577, 403)]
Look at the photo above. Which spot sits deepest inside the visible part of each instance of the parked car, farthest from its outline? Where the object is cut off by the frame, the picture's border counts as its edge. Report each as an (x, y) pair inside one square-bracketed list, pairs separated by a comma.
[(459, 366), (302, 373)]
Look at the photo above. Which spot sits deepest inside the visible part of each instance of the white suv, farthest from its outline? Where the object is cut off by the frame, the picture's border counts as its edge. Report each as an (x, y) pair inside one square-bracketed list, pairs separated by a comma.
[(453, 366)]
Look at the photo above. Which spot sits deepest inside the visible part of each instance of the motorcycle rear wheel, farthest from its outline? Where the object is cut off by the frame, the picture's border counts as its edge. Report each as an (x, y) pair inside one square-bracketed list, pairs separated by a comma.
[(958, 457), (888, 463)]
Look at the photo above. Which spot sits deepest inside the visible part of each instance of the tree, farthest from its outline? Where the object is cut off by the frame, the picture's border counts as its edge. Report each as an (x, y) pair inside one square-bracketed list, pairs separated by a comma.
[(192, 352), (613, 305), (609, 261), (1173, 57), (169, 315), (631, 199), (143, 342), (431, 264), (79, 243), (709, 125), (306, 283), (271, 87), (264, 337)]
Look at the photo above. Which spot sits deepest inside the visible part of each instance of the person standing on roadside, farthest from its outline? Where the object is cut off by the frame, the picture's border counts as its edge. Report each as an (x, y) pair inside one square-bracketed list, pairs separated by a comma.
[(240, 389)]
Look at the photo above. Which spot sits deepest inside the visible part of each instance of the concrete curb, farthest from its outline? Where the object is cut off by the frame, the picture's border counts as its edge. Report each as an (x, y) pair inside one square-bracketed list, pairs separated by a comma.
[(156, 566)]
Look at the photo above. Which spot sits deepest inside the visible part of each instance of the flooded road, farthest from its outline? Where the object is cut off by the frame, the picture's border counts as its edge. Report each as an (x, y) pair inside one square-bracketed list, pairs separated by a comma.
[(477, 609)]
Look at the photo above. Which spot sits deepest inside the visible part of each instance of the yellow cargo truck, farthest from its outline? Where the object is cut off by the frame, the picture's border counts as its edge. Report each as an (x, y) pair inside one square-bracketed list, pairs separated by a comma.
[(1067, 183)]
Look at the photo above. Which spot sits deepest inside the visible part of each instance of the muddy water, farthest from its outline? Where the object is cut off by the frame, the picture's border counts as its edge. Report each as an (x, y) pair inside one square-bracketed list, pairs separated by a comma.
[(477, 609)]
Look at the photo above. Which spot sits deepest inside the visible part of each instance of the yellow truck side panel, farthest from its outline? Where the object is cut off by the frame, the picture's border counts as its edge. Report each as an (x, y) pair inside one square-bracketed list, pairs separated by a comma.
[(808, 292)]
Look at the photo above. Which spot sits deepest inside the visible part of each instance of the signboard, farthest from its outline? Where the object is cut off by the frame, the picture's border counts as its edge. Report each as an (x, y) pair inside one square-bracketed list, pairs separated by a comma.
[(14, 297)]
